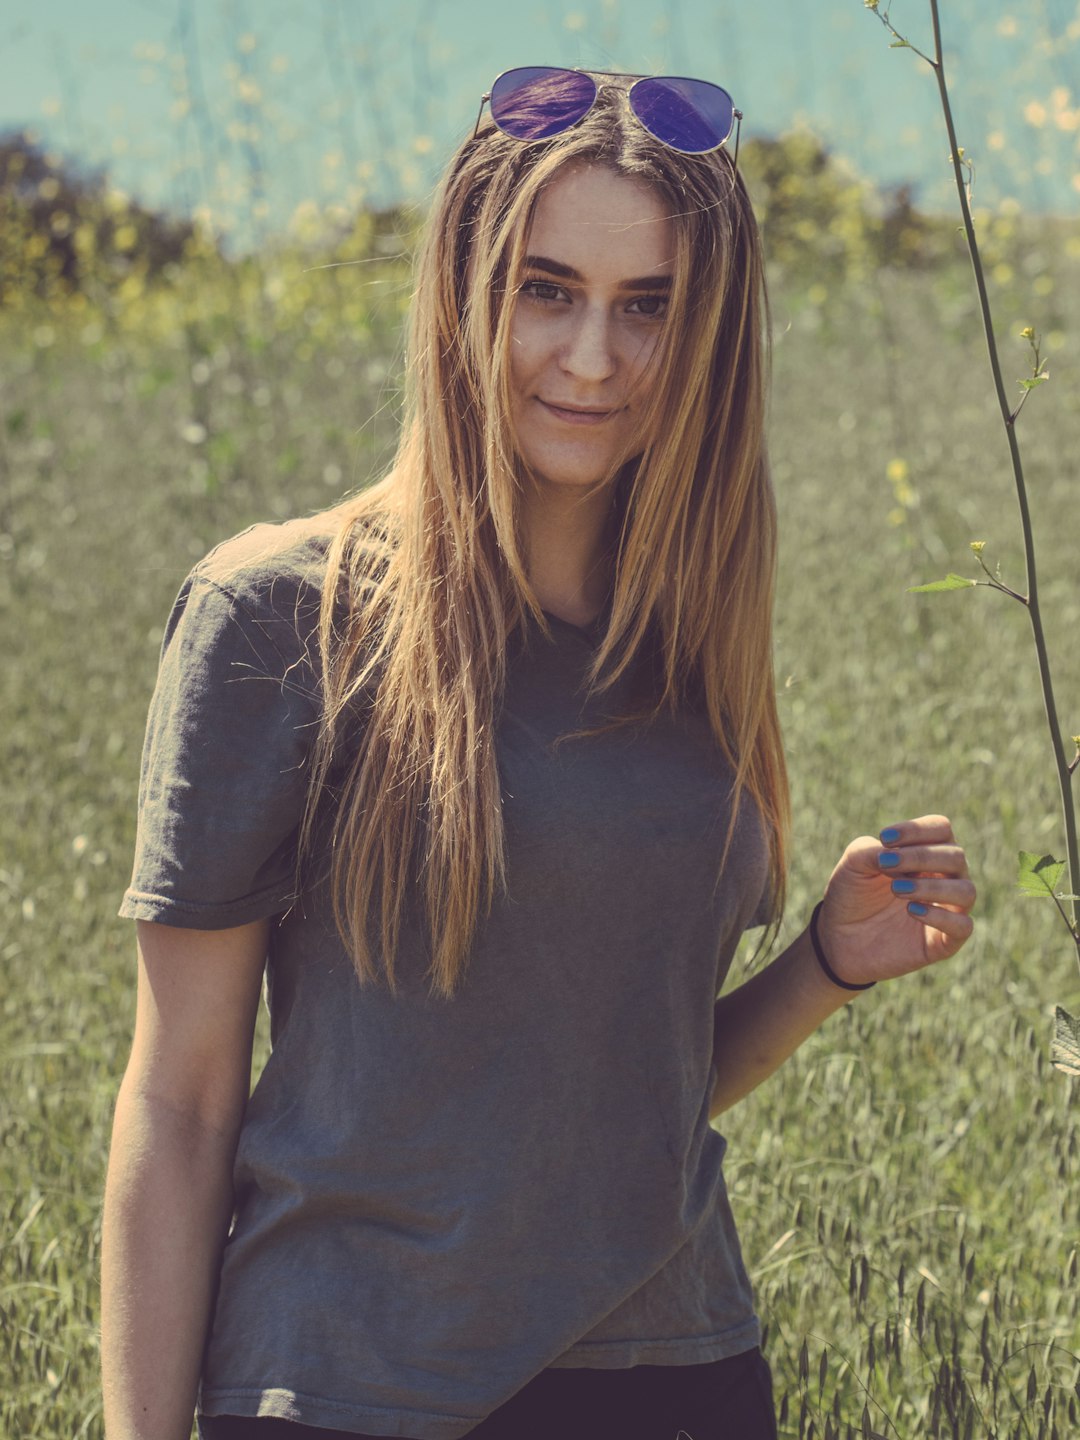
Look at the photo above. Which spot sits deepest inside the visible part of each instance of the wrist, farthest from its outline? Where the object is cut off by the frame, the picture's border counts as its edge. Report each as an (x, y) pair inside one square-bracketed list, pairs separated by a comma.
[(835, 978)]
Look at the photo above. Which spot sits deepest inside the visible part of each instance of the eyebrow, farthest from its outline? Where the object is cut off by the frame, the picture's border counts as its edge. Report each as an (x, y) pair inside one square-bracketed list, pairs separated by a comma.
[(661, 283)]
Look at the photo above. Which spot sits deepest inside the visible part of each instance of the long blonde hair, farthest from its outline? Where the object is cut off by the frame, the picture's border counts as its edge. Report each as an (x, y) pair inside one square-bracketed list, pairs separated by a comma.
[(426, 579)]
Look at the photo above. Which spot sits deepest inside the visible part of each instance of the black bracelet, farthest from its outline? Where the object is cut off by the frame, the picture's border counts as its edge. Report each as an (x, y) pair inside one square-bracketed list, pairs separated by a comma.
[(820, 953)]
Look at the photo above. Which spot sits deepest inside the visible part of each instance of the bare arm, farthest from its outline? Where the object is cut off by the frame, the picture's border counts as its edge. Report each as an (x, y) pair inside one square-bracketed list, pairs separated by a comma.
[(757, 1026), (168, 1193), (869, 932)]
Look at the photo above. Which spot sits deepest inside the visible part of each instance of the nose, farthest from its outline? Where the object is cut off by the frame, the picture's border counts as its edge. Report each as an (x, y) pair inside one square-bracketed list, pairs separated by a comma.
[(589, 353)]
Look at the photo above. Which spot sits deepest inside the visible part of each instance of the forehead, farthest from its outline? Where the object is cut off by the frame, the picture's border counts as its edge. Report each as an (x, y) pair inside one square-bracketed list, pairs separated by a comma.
[(592, 218)]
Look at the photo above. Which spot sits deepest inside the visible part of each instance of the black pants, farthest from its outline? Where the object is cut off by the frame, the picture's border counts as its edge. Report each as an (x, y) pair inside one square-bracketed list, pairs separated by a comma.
[(725, 1400)]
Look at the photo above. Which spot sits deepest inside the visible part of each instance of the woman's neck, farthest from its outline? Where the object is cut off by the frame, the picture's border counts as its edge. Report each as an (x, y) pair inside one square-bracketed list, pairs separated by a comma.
[(567, 554)]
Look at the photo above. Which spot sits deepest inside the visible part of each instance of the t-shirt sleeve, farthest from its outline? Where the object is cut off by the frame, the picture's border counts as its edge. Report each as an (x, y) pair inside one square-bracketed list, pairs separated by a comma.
[(225, 763), (764, 911)]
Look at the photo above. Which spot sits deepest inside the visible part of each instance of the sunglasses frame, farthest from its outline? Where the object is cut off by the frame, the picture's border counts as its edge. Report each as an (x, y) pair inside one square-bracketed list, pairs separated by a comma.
[(736, 114)]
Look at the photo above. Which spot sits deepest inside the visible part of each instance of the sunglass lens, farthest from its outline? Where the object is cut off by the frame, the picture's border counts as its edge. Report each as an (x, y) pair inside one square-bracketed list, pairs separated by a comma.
[(532, 104), (689, 115)]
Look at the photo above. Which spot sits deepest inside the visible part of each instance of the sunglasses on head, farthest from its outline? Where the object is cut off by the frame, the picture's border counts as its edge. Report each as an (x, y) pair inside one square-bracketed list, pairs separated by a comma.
[(539, 101)]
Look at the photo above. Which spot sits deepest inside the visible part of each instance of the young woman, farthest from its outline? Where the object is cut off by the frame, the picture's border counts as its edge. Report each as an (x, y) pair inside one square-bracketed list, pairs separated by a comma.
[(483, 770)]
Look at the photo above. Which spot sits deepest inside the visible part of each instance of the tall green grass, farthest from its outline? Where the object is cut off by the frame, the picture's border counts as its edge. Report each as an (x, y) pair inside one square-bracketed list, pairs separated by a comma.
[(906, 1186)]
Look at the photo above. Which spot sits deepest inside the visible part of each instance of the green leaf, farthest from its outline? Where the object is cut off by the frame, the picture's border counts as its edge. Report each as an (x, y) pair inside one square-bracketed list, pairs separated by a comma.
[(899, 44), (1039, 874), (1065, 1051), (951, 582), (1035, 380)]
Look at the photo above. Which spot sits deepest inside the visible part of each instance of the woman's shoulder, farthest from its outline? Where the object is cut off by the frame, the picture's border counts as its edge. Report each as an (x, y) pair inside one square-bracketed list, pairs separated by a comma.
[(276, 566), (268, 565)]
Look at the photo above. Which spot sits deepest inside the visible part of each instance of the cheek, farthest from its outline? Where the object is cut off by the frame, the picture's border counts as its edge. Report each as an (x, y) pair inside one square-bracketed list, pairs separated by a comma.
[(642, 366), (518, 365), (644, 414), (525, 351)]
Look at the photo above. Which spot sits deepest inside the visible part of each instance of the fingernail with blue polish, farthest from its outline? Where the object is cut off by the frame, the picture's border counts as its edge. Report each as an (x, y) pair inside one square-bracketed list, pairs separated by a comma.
[(903, 887), (889, 836), (888, 858), (914, 908)]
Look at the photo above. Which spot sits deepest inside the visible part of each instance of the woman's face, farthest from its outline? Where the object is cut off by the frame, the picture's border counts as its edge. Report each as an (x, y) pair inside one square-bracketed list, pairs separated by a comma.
[(586, 322)]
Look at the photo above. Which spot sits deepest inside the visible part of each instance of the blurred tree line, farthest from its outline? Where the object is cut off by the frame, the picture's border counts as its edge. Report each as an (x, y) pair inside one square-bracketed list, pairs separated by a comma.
[(75, 252), (65, 230)]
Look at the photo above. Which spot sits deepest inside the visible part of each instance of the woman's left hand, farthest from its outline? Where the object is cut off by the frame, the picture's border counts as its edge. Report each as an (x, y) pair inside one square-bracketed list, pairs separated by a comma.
[(867, 926)]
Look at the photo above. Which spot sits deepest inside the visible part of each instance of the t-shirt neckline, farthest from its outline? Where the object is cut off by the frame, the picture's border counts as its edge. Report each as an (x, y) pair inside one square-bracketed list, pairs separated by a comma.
[(591, 632)]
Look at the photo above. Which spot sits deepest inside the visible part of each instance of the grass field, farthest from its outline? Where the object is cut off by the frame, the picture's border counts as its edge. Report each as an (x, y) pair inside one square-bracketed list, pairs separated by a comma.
[(907, 1187)]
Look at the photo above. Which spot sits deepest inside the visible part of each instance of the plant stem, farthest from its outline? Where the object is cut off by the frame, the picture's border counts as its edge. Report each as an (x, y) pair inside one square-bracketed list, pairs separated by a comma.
[(1064, 774)]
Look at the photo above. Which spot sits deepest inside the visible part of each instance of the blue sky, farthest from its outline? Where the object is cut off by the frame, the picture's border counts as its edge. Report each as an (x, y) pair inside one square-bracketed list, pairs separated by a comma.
[(252, 107)]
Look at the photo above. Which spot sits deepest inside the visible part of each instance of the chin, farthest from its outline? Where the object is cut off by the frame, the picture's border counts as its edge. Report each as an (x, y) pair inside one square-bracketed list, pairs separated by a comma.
[(573, 471), (572, 479)]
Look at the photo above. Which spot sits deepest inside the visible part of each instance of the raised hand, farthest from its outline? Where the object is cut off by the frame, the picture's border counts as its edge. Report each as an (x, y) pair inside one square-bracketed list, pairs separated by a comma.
[(897, 903)]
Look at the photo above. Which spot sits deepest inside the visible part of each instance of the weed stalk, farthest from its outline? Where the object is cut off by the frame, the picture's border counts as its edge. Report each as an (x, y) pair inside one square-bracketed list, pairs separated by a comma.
[(962, 173)]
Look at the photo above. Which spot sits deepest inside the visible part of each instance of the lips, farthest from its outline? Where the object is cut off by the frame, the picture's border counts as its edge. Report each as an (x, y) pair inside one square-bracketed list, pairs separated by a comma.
[(575, 414)]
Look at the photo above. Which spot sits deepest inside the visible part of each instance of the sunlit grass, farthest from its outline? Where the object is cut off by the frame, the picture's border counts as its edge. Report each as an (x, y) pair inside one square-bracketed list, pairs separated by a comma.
[(920, 1129)]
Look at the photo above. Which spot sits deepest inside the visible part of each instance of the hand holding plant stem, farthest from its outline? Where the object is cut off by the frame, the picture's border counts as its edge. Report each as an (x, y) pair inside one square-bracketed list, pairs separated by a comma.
[(1039, 875)]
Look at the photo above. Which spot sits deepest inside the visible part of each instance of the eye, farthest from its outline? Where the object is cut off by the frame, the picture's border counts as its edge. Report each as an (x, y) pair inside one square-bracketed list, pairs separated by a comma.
[(650, 307), (543, 290)]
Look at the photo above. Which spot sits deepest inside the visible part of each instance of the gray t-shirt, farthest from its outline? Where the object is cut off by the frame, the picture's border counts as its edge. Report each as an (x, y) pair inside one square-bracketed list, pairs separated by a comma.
[(435, 1200)]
